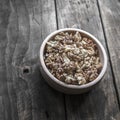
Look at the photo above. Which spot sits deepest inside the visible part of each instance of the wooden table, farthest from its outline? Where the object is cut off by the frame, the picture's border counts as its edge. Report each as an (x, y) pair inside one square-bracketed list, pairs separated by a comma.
[(23, 26)]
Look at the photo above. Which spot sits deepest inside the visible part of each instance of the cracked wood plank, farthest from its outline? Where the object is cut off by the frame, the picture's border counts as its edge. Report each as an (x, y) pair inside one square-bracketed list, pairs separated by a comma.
[(101, 103), (23, 93)]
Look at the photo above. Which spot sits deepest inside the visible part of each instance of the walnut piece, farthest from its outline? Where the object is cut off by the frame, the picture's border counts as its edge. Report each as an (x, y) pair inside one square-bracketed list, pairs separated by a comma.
[(72, 58)]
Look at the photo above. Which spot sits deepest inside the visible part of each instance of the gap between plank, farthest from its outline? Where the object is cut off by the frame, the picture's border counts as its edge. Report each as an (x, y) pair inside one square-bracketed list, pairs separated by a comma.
[(65, 106), (56, 14), (115, 86), (64, 101)]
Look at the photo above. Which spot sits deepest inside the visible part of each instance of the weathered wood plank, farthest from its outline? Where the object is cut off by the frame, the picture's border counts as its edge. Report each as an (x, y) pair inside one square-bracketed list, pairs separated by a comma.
[(101, 103), (110, 13), (30, 97), (4, 20), (1, 109)]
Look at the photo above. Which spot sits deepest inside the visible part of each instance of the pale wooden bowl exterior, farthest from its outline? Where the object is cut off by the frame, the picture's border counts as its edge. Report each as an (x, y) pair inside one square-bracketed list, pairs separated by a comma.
[(67, 88)]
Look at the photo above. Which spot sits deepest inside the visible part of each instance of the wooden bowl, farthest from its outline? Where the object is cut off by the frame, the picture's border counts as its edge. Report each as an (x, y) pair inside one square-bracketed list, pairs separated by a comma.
[(68, 88)]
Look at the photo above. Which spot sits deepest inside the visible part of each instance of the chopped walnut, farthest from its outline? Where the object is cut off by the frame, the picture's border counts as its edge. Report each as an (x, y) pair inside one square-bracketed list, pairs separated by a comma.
[(72, 58)]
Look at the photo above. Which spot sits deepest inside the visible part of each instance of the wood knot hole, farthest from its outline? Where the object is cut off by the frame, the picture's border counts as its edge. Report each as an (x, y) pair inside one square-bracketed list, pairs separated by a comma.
[(26, 70)]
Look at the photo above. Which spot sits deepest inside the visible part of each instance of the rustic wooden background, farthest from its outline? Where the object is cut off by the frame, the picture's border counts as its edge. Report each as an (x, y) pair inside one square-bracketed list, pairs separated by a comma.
[(23, 26)]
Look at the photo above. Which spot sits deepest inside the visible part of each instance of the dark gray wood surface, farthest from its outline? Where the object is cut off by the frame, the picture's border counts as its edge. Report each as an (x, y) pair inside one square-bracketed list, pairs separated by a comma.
[(23, 26), (111, 25), (97, 104)]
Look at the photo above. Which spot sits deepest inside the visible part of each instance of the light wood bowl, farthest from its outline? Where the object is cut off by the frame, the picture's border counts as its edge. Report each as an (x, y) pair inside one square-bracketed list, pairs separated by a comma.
[(68, 88)]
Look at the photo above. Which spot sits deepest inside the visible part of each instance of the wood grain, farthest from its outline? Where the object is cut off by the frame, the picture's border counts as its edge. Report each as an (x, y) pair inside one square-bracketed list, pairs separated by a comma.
[(110, 13), (1, 109), (27, 23), (23, 26), (101, 103), (5, 101)]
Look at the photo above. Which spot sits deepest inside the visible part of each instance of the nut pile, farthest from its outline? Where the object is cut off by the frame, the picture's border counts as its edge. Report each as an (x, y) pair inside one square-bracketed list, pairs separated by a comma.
[(72, 58)]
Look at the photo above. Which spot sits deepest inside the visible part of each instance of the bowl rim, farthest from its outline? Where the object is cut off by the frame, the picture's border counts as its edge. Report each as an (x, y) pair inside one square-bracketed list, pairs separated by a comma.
[(41, 54)]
